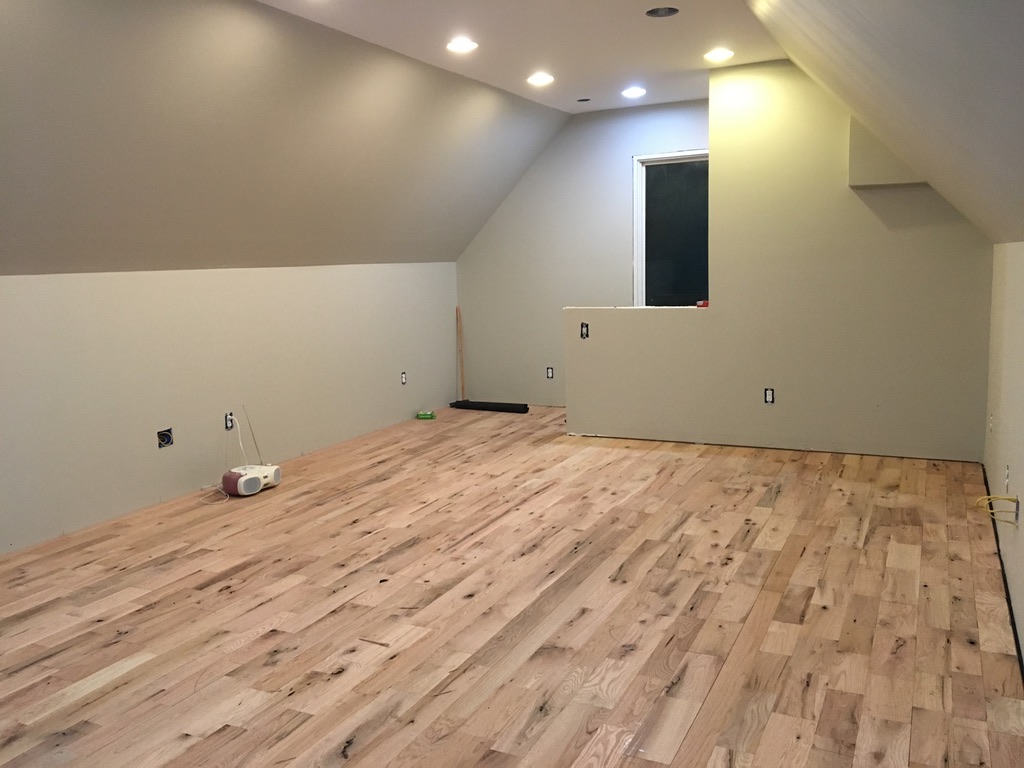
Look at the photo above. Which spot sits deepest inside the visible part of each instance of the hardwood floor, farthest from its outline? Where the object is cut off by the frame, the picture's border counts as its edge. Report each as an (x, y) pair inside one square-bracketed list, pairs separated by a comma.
[(483, 590)]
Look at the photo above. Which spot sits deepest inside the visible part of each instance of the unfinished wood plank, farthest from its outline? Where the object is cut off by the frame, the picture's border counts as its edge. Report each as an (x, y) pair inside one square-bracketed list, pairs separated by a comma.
[(786, 741)]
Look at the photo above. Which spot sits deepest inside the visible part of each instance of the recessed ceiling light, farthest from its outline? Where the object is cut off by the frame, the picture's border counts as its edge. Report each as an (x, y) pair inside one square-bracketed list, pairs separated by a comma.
[(718, 55), (634, 92), (461, 44), (540, 79), (663, 12)]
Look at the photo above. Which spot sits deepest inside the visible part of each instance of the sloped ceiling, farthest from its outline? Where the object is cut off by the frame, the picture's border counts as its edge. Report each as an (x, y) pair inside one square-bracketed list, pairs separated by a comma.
[(224, 133), (941, 82)]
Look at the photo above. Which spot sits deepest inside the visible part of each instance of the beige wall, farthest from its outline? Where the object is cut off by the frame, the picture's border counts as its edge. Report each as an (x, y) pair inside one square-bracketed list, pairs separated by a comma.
[(194, 134), (95, 364), (866, 311), (1004, 444), (146, 147), (563, 236), (872, 164)]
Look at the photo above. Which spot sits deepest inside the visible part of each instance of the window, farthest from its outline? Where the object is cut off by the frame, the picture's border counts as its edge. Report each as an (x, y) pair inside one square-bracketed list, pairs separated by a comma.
[(670, 260)]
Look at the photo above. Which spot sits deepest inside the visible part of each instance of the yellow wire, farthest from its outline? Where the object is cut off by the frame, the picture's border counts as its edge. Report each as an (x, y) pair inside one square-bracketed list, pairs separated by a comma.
[(986, 501)]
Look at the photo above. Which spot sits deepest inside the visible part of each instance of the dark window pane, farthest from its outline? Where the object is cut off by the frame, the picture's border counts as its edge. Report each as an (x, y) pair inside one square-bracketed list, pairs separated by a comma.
[(676, 233)]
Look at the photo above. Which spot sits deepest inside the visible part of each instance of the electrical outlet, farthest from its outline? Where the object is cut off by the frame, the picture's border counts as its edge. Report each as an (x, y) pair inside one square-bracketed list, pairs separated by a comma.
[(769, 395), (229, 421), (405, 379), (550, 372), (164, 438)]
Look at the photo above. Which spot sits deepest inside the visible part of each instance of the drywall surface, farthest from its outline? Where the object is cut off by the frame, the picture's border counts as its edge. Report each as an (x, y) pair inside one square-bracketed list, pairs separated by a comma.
[(1004, 443), (867, 311), (563, 236), (95, 364), (223, 133), (872, 164), (905, 71)]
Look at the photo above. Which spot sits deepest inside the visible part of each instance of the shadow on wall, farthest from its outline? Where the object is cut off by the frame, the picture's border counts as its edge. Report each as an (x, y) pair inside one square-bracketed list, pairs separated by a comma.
[(908, 206)]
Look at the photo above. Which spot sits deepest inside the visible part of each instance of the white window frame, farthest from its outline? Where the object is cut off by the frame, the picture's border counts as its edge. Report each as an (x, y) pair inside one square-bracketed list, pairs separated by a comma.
[(640, 163)]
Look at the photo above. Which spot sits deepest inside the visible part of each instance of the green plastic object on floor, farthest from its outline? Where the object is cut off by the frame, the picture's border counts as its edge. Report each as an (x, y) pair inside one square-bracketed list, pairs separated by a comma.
[(426, 415)]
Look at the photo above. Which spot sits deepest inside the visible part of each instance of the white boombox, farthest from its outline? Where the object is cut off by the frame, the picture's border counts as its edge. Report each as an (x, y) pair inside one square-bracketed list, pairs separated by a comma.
[(245, 481)]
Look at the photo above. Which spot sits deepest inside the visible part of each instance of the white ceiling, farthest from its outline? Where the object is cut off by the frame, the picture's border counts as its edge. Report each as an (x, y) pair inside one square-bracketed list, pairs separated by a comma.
[(939, 81), (593, 48)]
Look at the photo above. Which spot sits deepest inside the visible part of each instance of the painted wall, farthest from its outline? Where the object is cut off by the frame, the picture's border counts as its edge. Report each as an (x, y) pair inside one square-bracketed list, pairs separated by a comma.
[(872, 164), (151, 155), (193, 134), (1004, 444), (867, 311), (563, 236), (901, 69), (95, 364)]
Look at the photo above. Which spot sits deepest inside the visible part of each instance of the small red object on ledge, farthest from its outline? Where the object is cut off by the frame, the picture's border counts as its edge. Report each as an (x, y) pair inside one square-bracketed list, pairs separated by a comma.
[(702, 303)]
